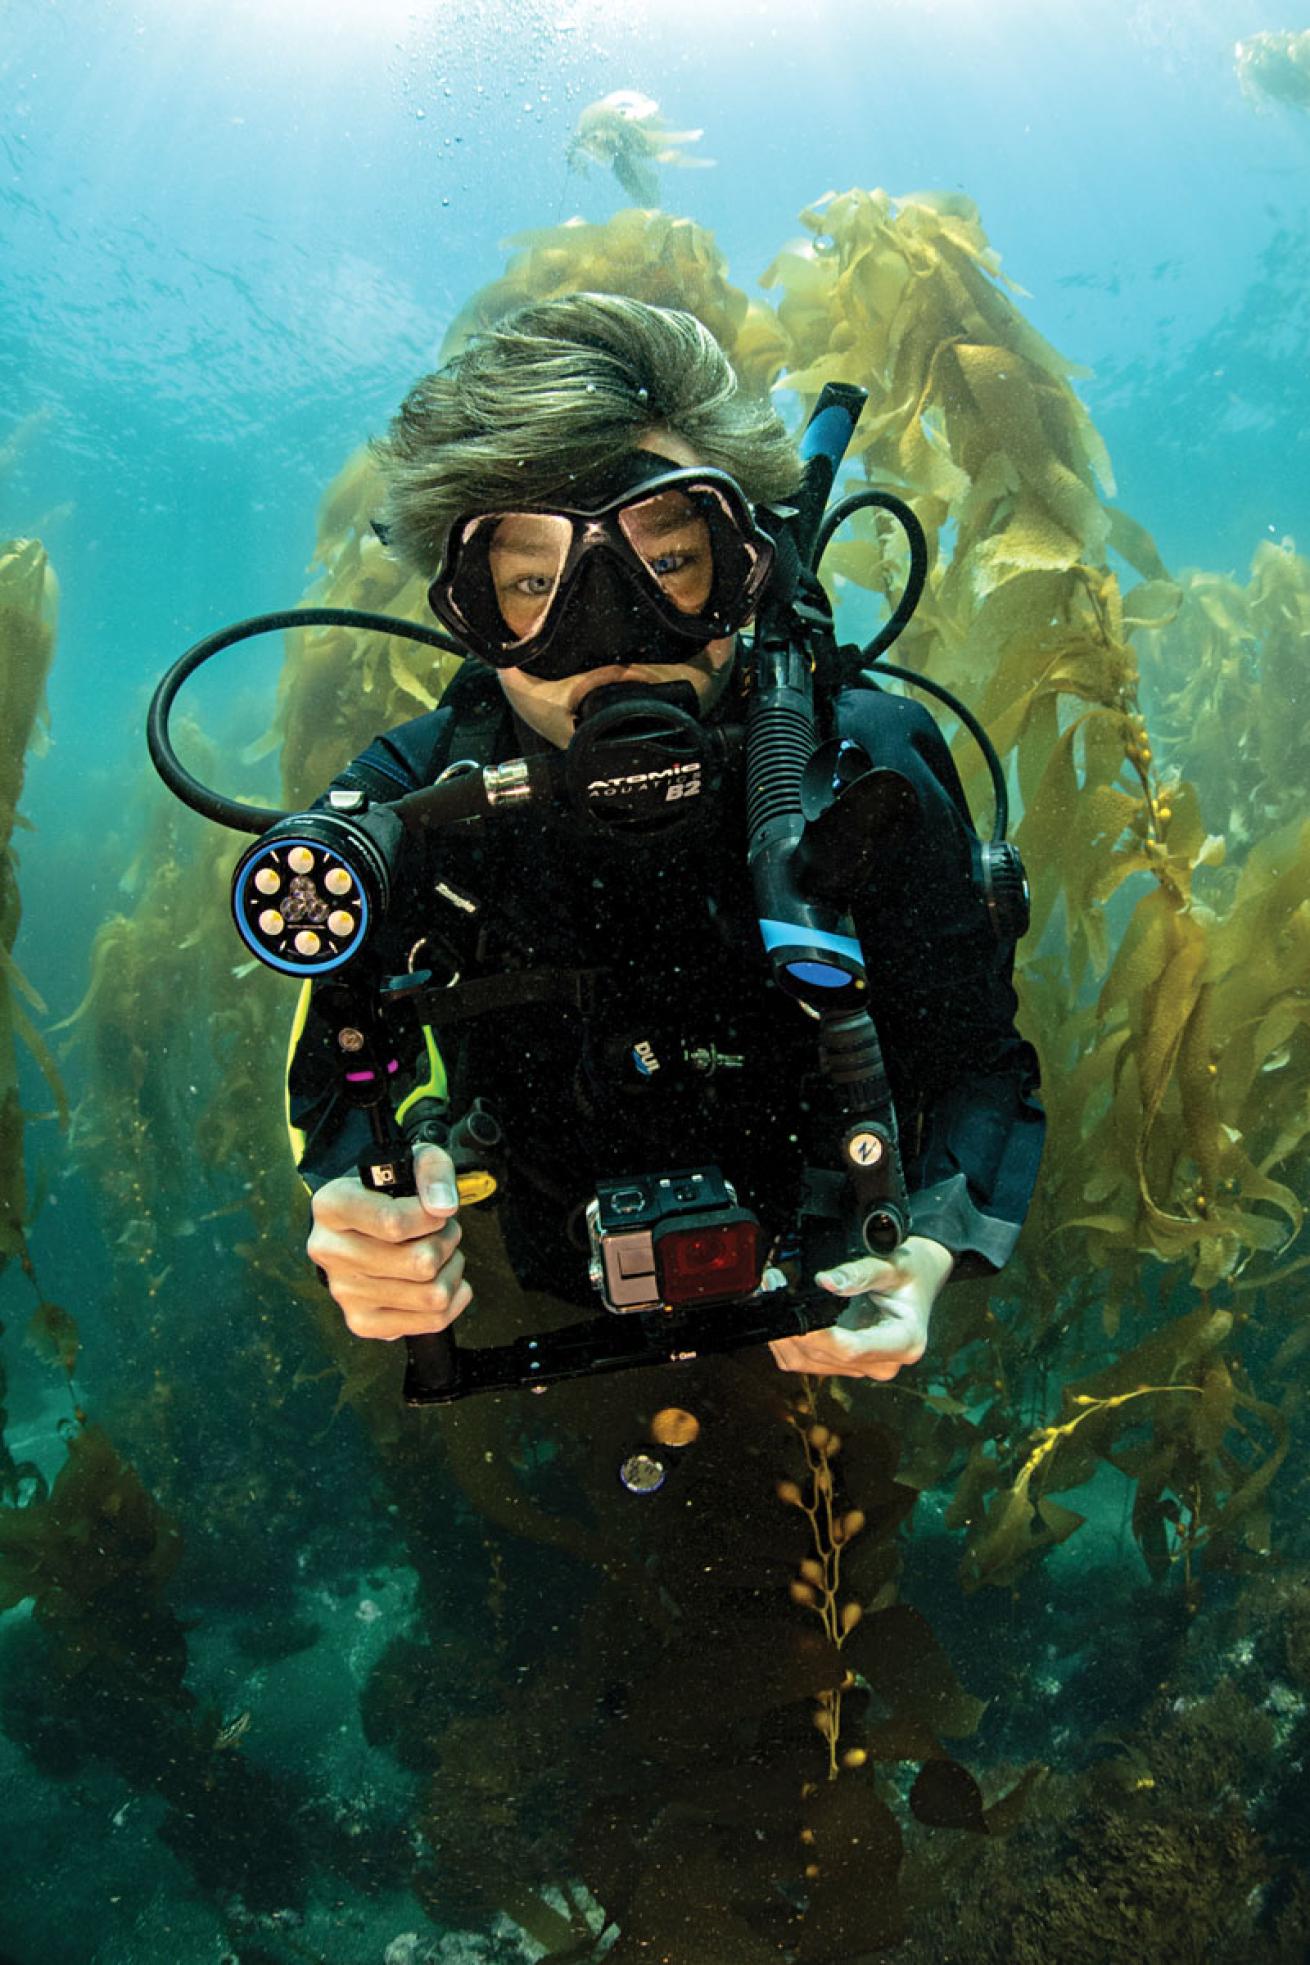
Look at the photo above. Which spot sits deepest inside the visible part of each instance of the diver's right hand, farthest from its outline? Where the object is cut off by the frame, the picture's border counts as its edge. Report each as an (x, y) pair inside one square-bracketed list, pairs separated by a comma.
[(393, 1262)]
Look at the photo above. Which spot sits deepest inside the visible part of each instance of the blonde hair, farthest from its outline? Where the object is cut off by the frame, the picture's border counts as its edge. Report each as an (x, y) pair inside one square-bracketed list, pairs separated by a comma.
[(553, 393)]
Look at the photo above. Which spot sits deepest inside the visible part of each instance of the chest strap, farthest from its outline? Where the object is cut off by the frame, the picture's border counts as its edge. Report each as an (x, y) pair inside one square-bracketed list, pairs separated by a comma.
[(458, 1002)]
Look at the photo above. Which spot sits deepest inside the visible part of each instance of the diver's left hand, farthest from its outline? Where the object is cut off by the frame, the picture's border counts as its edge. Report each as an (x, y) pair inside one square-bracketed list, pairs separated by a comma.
[(884, 1324)]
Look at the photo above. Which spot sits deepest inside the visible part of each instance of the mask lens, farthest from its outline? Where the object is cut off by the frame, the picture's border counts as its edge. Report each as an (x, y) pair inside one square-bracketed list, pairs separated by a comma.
[(671, 536), (526, 552)]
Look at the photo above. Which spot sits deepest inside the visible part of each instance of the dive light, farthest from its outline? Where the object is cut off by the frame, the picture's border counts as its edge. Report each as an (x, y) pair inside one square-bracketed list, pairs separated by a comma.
[(306, 894)]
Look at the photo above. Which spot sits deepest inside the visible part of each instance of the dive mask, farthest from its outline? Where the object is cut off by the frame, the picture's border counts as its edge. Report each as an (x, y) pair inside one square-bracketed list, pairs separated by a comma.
[(648, 561)]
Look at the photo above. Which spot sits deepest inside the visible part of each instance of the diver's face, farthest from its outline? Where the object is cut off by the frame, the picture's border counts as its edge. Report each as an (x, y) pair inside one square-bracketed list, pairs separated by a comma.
[(550, 707)]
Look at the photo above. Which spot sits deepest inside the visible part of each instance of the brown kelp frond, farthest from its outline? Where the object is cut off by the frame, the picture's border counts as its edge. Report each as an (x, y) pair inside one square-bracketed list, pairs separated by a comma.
[(340, 685), (972, 417), (970, 412), (1222, 676), (95, 1557), (28, 597), (647, 255)]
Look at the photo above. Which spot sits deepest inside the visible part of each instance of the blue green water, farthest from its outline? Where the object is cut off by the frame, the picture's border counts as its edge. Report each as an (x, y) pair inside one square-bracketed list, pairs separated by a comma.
[(230, 236), (234, 234)]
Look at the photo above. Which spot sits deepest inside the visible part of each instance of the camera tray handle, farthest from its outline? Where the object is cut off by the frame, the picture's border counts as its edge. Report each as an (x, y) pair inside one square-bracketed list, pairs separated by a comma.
[(608, 1343)]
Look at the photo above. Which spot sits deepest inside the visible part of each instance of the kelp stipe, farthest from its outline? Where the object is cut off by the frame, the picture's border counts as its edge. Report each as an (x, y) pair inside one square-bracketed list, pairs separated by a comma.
[(28, 597)]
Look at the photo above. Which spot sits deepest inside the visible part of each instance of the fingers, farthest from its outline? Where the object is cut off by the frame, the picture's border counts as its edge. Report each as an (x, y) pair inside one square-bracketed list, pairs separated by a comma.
[(375, 1321), (347, 1205), (856, 1346), (374, 1308), (394, 1268), (821, 1360), (863, 1275), (417, 1260)]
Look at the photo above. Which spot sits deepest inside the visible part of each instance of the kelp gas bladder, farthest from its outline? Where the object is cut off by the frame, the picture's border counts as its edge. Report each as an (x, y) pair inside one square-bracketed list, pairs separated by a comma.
[(309, 895)]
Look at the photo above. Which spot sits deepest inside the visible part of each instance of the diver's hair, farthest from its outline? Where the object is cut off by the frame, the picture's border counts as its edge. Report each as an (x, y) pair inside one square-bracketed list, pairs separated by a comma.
[(555, 392)]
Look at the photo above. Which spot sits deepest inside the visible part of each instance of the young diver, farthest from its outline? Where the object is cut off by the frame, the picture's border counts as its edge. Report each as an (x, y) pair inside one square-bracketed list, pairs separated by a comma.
[(582, 485)]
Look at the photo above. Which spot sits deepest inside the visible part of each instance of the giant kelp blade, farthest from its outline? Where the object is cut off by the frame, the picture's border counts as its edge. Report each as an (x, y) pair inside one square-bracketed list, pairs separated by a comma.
[(687, 1701), (946, 1796), (854, 1900), (896, 1651), (53, 1335), (1010, 1808), (680, 1909)]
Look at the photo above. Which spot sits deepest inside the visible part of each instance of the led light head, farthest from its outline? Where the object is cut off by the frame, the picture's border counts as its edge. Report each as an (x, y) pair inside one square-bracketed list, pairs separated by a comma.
[(308, 893)]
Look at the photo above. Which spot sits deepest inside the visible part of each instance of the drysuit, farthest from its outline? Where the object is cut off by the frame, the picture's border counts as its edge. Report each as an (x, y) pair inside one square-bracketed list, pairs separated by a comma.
[(639, 1029)]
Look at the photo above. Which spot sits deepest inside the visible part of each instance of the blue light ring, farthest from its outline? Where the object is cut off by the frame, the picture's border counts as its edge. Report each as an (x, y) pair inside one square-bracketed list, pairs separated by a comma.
[(307, 965)]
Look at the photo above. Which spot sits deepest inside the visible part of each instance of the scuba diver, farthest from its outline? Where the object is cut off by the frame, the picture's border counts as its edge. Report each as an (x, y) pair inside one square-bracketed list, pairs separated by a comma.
[(601, 511)]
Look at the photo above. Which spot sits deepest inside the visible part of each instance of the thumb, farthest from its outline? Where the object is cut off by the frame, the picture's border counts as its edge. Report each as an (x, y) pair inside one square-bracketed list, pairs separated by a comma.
[(864, 1274), (434, 1177)]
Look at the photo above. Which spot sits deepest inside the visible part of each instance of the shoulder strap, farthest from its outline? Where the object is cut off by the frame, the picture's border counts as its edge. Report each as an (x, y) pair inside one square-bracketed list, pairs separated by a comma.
[(478, 726), (472, 720)]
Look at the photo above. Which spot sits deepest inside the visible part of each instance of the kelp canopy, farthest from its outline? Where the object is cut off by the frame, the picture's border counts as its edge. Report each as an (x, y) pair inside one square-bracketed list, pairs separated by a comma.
[(1166, 983)]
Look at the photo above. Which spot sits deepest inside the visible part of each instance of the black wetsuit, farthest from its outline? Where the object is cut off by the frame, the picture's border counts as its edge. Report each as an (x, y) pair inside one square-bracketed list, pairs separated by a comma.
[(661, 1041)]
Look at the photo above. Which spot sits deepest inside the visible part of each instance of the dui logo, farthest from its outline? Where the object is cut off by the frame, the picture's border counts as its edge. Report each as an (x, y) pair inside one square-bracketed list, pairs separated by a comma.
[(643, 1056)]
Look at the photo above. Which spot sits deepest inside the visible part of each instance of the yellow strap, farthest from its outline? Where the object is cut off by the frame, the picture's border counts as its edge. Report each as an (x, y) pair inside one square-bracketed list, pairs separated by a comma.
[(473, 1187), (436, 1086), (294, 1133)]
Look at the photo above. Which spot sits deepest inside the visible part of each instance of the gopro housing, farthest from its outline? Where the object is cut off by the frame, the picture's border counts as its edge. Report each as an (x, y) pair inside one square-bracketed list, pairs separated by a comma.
[(659, 1241)]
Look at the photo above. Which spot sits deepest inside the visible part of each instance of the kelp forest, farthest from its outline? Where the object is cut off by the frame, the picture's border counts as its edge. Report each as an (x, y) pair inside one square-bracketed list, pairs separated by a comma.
[(1008, 1660)]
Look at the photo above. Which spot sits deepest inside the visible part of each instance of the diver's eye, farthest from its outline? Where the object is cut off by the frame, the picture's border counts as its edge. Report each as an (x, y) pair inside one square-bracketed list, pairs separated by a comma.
[(532, 585), (684, 576)]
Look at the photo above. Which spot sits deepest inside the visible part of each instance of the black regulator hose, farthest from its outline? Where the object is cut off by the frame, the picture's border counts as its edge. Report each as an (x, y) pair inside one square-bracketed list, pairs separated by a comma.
[(211, 804), (885, 501), (899, 620), (1000, 793)]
